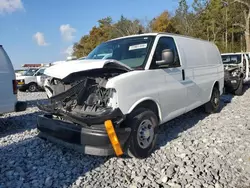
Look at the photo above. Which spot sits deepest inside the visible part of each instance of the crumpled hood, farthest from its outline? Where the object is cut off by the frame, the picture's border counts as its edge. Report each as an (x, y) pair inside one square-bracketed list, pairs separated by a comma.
[(230, 67), (64, 69)]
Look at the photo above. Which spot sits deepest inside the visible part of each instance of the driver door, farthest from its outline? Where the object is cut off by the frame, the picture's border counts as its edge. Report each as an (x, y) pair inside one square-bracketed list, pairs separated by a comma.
[(173, 92)]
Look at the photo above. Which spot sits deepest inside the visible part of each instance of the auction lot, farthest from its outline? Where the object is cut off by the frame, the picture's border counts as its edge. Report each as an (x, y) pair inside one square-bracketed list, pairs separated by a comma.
[(194, 150)]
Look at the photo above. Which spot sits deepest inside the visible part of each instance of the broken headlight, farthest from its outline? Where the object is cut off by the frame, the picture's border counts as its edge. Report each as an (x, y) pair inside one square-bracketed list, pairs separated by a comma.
[(113, 100), (235, 73)]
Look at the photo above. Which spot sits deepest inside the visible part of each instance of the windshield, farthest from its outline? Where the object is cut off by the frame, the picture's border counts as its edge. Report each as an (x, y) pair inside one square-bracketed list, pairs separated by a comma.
[(132, 51), (231, 59), (29, 72)]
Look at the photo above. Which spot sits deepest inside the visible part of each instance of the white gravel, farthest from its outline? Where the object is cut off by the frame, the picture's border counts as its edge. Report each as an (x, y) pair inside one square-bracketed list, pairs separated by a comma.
[(194, 150)]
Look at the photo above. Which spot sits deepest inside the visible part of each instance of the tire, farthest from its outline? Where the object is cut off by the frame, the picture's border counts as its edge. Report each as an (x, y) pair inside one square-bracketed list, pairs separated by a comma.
[(239, 91), (137, 146), (213, 105), (32, 87)]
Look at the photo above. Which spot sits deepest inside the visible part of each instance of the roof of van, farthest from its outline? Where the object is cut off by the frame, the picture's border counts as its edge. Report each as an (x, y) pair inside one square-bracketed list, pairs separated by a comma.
[(158, 33)]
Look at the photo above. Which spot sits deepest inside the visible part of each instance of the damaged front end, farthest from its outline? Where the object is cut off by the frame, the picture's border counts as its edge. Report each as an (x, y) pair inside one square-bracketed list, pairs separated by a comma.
[(78, 107), (86, 102), (232, 78)]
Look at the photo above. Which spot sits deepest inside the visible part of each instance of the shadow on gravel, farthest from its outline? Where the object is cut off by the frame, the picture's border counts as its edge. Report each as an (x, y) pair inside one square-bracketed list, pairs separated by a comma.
[(33, 103), (173, 128), (227, 98), (35, 163), (18, 123)]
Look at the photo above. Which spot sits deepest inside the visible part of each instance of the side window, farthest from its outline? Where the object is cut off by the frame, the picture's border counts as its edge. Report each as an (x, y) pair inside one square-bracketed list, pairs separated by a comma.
[(163, 44), (40, 72)]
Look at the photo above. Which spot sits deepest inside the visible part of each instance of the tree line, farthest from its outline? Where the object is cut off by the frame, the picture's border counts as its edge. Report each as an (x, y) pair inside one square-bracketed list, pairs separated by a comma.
[(224, 22)]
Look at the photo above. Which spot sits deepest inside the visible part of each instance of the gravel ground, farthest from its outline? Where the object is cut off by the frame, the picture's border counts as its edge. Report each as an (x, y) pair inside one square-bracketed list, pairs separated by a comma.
[(194, 150)]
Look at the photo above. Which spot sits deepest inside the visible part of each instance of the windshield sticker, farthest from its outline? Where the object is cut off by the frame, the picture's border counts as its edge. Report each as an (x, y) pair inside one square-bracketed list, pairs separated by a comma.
[(138, 46)]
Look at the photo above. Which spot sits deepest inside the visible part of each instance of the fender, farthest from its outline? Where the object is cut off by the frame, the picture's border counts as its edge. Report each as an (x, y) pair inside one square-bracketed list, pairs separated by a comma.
[(146, 99), (212, 89)]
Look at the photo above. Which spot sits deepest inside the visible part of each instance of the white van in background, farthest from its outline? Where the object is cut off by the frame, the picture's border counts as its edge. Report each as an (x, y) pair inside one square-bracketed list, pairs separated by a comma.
[(8, 86), (236, 67), (32, 80), (146, 81)]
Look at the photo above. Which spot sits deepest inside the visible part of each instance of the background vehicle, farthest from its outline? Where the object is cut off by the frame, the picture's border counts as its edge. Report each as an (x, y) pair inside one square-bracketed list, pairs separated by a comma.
[(32, 79), (19, 72), (236, 67), (8, 93), (107, 106)]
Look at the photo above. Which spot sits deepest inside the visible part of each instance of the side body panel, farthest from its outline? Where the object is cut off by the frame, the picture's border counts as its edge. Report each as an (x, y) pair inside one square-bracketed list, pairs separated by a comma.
[(156, 85), (203, 65), (7, 98)]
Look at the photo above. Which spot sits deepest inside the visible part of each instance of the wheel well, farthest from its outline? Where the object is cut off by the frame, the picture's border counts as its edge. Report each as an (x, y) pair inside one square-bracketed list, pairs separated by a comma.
[(32, 83), (217, 85), (151, 105)]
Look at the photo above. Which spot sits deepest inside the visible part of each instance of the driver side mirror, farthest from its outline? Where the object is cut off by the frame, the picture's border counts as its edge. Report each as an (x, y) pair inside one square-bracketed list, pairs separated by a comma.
[(167, 57)]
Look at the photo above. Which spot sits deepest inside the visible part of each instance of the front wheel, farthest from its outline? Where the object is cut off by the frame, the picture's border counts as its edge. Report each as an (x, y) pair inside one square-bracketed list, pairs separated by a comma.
[(239, 90), (143, 135), (212, 106), (32, 87)]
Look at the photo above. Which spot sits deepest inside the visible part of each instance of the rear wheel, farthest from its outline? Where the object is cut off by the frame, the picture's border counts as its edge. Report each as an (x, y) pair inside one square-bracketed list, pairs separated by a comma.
[(239, 90), (32, 87), (143, 136), (212, 106)]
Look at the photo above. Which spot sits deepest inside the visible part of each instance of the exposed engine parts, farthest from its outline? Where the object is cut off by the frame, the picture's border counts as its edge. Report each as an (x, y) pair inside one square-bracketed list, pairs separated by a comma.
[(85, 98)]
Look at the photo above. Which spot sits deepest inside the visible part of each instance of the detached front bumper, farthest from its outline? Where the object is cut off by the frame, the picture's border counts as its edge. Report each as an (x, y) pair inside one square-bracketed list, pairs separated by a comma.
[(232, 83), (86, 139), (20, 106)]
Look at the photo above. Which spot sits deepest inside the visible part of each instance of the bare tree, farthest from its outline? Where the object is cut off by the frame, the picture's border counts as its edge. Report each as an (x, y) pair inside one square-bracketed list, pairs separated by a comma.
[(246, 26)]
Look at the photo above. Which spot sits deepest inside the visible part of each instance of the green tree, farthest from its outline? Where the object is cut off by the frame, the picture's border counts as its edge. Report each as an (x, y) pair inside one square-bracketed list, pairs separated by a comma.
[(106, 30), (163, 23), (126, 27), (184, 20)]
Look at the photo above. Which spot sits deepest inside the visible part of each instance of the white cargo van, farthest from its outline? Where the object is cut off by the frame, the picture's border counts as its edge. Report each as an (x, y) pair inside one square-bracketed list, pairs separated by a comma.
[(236, 67), (114, 105), (32, 80), (8, 86)]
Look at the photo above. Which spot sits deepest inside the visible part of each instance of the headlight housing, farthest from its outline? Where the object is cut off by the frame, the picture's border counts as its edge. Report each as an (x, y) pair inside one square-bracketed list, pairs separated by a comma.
[(113, 100), (235, 73)]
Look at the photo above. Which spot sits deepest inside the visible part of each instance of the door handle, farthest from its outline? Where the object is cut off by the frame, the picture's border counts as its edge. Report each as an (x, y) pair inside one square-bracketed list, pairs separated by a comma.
[(183, 74)]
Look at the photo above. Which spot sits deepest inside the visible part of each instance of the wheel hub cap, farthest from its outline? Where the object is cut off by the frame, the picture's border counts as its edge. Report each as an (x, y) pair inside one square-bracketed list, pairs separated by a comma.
[(145, 134), (216, 101)]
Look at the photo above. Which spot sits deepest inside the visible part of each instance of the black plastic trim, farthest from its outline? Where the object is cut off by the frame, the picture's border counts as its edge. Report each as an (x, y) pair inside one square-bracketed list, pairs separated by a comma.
[(87, 139), (20, 106)]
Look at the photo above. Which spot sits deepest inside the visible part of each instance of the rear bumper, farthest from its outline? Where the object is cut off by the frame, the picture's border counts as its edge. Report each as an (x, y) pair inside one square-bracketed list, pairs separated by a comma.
[(20, 106), (86, 139)]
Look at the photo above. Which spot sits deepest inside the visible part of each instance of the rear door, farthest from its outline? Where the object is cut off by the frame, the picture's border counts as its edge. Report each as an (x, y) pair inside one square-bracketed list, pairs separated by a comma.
[(7, 78)]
